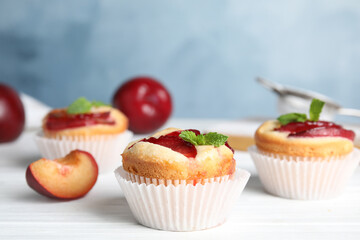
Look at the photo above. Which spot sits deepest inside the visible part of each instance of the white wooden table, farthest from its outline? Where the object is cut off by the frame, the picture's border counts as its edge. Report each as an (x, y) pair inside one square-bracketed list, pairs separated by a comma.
[(104, 213)]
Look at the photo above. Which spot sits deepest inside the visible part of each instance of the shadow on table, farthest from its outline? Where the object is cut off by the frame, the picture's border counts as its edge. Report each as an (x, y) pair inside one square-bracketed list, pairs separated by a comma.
[(114, 209), (20, 153), (33, 197), (254, 185), (23, 161)]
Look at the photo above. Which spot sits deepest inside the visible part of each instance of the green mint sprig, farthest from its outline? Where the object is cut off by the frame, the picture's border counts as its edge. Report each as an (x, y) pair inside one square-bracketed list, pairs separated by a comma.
[(292, 117), (212, 138), (82, 105), (314, 112), (315, 109)]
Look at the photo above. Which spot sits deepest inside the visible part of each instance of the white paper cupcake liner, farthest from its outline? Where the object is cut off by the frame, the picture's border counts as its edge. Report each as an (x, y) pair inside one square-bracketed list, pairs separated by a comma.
[(304, 178), (106, 149), (178, 206)]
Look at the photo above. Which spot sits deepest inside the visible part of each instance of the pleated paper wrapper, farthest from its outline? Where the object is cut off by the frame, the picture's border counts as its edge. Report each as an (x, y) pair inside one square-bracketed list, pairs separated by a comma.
[(106, 149), (175, 205), (304, 178)]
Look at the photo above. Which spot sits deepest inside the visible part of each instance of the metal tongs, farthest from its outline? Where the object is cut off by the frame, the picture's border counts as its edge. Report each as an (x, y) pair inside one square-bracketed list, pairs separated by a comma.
[(292, 99)]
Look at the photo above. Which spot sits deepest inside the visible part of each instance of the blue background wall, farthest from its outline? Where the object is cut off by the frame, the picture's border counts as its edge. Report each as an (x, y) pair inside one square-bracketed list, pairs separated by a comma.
[(206, 52)]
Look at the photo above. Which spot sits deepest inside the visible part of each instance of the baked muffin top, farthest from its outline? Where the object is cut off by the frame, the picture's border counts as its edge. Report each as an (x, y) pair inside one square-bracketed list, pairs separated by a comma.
[(84, 118), (295, 135), (169, 154)]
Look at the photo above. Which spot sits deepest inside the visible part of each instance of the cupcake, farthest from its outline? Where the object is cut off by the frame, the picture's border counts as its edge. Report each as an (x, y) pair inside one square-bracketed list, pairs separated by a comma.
[(180, 180), (304, 158), (90, 126)]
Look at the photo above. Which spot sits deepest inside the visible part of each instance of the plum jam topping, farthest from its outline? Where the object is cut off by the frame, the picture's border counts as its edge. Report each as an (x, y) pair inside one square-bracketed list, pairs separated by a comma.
[(176, 143), (61, 120), (316, 129)]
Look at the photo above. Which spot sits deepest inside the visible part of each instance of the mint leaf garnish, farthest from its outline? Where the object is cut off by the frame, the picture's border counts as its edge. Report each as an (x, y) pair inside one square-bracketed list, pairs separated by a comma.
[(211, 138), (216, 139), (82, 105), (189, 136), (292, 117), (315, 109), (200, 139)]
